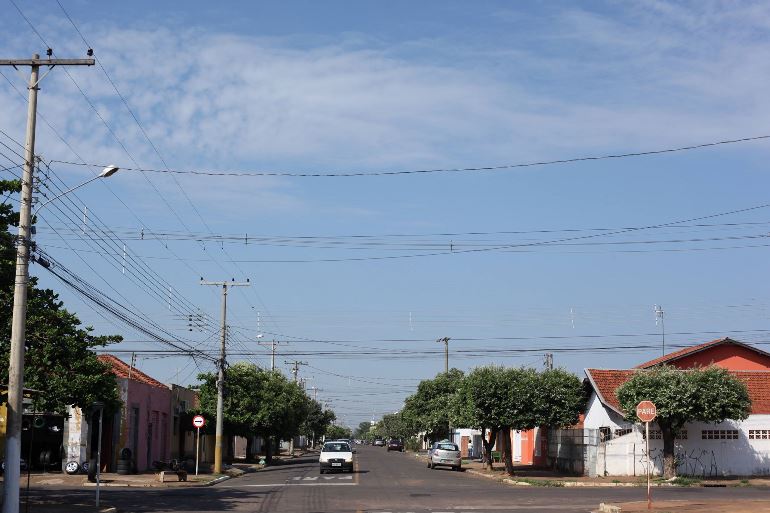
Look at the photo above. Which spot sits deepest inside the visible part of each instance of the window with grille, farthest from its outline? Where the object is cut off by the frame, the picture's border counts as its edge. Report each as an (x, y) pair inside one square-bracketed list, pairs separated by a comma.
[(759, 434), (655, 434), (621, 432), (719, 434)]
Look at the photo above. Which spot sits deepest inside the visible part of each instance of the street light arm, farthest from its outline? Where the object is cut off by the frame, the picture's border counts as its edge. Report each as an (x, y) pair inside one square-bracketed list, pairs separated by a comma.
[(106, 173)]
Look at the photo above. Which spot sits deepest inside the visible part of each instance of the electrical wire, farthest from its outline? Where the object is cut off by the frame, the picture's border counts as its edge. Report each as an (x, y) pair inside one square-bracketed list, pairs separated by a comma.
[(333, 174)]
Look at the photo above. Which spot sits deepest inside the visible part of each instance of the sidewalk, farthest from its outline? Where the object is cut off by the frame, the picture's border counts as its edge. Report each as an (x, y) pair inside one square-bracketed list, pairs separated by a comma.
[(735, 506), (142, 480), (529, 475)]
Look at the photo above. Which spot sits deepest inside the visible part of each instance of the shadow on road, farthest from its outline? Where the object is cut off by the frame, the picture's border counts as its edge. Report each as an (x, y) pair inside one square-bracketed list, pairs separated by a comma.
[(155, 500)]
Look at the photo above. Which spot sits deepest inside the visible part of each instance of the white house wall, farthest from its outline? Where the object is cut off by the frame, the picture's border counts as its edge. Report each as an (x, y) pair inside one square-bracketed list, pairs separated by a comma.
[(598, 416), (696, 456)]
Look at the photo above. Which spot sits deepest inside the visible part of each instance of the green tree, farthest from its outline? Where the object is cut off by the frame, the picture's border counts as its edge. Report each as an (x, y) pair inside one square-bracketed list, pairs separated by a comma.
[(363, 431), (317, 421), (336, 432), (429, 408), (60, 359), (708, 394), (501, 399), (395, 425), (257, 402)]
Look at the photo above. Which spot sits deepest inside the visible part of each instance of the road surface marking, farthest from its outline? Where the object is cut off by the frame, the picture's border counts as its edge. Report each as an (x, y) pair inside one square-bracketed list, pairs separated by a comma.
[(288, 484)]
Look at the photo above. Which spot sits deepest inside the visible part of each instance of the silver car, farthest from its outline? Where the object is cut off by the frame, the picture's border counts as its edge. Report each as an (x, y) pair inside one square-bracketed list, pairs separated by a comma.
[(445, 453)]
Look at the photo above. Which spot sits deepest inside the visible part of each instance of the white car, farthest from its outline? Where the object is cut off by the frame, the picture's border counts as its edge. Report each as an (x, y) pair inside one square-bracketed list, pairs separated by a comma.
[(336, 456)]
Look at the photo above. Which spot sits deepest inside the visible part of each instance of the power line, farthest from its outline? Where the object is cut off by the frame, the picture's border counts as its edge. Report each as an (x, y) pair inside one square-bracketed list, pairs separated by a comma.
[(500, 167)]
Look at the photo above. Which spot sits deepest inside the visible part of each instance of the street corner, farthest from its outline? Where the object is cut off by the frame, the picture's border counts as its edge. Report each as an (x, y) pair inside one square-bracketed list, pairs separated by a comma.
[(687, 506)]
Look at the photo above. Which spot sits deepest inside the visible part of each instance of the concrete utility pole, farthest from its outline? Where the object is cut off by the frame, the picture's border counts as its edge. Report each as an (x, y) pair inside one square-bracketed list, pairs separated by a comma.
[(445, 340), (549, 361), (295, 370), (272, 347), (18, 324), (221, 364)]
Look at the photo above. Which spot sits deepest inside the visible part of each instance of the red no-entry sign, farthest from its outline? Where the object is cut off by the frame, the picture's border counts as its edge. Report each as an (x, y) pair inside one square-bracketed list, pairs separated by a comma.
[(646, 411), (199, 421)]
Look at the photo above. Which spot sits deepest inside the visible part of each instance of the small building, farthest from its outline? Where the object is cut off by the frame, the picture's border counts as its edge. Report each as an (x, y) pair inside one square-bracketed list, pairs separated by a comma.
[(142, 424), (609, 445)]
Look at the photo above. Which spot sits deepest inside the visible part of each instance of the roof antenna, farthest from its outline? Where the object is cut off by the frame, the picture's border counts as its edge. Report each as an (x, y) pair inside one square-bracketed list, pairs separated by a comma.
[(659, 317)]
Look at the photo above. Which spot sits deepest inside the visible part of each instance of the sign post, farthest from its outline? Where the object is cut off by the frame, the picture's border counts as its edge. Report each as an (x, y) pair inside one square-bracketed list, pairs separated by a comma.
[(198, 422), (646, 411)]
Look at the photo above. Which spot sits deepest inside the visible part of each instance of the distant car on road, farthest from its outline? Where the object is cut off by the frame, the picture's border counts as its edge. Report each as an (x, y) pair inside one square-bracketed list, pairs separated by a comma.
[(445, 453), (395, 445), (379, 442), (336, 455)]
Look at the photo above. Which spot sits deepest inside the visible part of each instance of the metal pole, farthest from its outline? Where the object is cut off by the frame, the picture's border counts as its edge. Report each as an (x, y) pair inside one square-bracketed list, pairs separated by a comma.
[(221, 388), (649, 469), (272, 361), (197, 450), (99, 456), (18, 326)]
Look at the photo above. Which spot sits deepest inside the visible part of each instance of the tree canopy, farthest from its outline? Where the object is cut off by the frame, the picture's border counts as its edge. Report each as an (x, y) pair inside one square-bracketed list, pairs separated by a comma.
[(429, 408), (501, 399), (257, 402), (708, 394)]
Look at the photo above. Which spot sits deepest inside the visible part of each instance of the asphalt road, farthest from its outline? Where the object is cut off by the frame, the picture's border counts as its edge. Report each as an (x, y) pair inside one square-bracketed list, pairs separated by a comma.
[(382, 482)]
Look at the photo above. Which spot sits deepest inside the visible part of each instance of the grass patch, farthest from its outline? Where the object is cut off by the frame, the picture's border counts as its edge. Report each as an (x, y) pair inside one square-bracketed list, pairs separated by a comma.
[(685, 481)]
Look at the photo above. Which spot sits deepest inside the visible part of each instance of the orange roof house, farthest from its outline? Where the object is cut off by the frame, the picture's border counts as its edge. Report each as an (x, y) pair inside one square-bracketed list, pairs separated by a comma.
[(724, 352)]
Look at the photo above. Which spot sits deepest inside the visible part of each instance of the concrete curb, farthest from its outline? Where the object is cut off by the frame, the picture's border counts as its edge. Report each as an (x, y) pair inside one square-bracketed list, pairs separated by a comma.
[(216, 481), (159, 485)]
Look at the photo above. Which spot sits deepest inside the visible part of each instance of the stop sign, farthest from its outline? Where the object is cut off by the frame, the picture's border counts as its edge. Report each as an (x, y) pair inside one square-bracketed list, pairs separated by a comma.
[(646, 411), (198, 421)]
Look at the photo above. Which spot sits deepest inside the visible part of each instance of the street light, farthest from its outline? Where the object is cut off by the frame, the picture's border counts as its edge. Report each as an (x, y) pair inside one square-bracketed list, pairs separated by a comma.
[(106, 173), (19, 319)]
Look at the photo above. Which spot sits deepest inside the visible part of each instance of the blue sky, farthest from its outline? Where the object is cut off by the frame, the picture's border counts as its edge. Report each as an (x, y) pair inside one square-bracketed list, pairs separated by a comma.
[(311, 87)]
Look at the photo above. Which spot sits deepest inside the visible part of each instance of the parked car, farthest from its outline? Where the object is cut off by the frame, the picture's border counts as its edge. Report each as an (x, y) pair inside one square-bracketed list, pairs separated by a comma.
[(395, 445), (379, 442), (336, 456), (445, 453)]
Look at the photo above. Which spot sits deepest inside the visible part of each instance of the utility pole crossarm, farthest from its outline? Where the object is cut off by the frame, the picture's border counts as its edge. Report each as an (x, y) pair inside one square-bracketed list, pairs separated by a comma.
[(47, 62)]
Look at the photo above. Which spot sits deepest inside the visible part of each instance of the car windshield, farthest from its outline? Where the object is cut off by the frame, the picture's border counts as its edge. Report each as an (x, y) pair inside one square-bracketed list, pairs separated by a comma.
[(336, 447), (446, 447)]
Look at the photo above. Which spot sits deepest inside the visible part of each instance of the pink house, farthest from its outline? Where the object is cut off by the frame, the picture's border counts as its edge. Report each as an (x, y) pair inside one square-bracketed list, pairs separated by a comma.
[(143, 423)]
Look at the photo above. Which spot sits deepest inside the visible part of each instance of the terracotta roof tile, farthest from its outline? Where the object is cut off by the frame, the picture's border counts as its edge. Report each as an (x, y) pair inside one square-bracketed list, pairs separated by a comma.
[(607, 381), (676, 355), (121, 370)]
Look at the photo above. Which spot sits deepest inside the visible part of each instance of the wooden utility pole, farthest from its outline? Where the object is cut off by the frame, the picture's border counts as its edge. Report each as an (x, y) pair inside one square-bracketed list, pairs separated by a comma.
[(19, 320), (221, 365)]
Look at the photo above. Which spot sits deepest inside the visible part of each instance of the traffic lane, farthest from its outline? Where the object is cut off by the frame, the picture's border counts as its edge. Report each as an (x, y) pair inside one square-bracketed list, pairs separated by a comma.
[(401, 482)]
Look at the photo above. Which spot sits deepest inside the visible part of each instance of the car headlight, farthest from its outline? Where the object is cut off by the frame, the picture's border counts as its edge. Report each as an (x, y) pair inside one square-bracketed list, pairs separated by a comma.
[(349, 460)]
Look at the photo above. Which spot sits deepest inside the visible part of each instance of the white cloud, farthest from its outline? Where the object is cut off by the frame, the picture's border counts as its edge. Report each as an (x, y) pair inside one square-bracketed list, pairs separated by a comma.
[(657, 75)]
